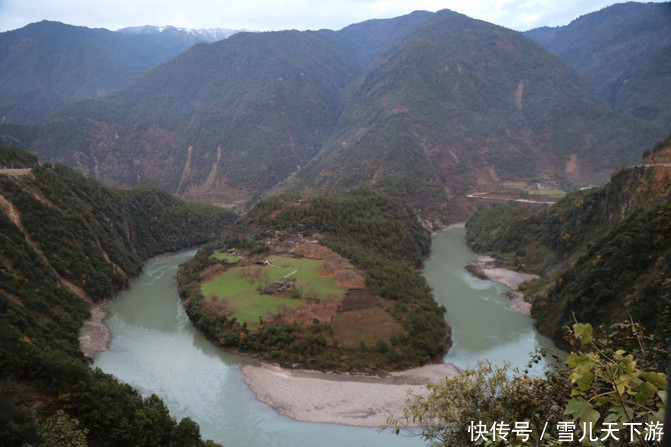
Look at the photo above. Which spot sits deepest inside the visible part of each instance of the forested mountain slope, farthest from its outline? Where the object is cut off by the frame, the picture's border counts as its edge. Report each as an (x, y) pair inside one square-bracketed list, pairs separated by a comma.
[(46, 66), (461, 104), (66, 242), (603, 253), (425, 106), (220, 122), (624, 50)]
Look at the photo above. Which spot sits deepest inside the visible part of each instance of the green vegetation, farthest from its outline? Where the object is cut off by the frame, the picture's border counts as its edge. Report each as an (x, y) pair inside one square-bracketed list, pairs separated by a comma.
[(11, 157), (537, 189), (603, 256), (602, 253), (59, 208), (61, 234), (229, 258), (373, 231), (247, 294), (604, 46), (608, 385)]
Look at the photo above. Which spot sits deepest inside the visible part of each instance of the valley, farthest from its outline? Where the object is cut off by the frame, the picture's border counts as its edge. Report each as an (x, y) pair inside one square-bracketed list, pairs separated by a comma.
[(590, 236), (208, 383), (252, 215)]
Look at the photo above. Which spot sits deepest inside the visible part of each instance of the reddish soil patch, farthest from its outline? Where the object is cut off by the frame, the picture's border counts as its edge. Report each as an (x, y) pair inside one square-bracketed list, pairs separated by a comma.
[(334, 265), (351, 279), (323, 311), (357, 299), (218, 307), (364, 325), (314, 251)]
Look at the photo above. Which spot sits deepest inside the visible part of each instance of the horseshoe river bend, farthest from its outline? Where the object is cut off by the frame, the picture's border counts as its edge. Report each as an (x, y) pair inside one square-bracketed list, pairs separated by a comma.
[(155, 349)]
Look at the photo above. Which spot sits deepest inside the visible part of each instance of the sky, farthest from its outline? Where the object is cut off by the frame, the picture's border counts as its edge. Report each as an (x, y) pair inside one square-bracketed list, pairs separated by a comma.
[(272, 15)]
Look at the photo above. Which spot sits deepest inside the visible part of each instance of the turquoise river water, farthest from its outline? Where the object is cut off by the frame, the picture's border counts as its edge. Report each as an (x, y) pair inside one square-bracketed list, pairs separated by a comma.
[(156, 349)]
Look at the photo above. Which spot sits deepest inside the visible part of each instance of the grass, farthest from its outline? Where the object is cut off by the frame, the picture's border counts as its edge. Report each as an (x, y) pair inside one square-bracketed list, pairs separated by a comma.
[(554, 193), (240, 287), (231, 259)]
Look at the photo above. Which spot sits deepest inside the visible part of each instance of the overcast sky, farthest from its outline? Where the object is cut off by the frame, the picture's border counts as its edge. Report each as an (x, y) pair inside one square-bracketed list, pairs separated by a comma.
[(260, 15)]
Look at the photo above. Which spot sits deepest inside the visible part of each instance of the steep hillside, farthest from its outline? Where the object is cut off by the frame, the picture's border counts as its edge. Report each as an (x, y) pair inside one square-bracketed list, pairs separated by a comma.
[(624, 50), (370, 38), (46, 66), (66, 241), (462, 104), (220, 122), (427, 107), (603, 253)]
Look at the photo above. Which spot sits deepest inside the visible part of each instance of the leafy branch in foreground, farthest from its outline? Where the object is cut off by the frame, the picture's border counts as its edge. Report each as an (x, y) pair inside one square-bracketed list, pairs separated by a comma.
[(606, 396), (608, 381)]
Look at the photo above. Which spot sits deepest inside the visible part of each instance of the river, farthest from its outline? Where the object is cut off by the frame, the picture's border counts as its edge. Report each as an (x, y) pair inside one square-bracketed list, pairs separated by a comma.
[(156, 349), (483, 325)]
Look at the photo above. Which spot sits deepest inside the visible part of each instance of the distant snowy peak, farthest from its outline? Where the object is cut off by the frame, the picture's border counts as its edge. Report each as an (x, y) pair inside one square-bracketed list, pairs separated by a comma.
[(203, 35)]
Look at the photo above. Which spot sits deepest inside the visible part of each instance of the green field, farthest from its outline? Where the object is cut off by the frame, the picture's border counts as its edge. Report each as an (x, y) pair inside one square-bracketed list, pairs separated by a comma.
[(231, 259), (555, 193), (240, 288)]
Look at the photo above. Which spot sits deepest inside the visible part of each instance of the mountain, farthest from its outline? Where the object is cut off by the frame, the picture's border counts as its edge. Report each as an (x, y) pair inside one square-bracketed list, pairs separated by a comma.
[(188, 35), (603, 253), (462, 104), (66, 242), (46, 66), (425, 106), (221, 121), (624, 50)]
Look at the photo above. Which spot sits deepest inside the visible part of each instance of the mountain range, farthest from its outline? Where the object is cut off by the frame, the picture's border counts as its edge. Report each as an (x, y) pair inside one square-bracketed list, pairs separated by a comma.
[(46, 66), (428, 107), (185, 34)]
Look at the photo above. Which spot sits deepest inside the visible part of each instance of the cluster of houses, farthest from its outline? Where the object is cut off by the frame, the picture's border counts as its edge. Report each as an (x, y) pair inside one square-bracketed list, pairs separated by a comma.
[(279, 286)]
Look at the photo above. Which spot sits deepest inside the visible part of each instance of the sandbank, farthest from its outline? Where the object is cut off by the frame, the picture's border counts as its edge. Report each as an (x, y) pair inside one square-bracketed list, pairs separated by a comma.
[(94, 336), (485, 267), (346, 399)]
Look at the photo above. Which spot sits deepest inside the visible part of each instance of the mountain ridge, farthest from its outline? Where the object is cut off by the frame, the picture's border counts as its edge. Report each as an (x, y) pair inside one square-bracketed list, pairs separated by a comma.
[(623, 50), (199, 34), (428, 107), (48, 65)]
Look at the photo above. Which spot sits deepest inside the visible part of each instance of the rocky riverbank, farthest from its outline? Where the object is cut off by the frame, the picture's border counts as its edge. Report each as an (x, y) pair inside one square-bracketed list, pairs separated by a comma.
[(94, 336), (484, 267)]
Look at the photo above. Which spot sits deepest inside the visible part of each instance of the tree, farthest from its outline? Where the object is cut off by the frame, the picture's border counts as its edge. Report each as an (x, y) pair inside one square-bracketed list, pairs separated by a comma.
[(60, 430), (607, 392), (186, 434), (486, 404)]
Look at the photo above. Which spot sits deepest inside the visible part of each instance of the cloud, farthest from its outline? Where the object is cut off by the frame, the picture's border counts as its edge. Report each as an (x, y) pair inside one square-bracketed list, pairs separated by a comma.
[(282, 14)]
